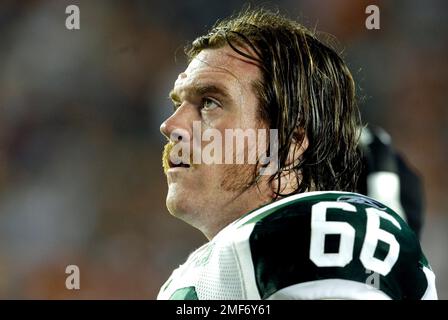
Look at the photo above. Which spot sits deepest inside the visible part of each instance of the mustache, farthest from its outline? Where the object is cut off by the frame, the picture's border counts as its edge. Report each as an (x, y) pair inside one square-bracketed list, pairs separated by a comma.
[(166, 156), (167, 149)]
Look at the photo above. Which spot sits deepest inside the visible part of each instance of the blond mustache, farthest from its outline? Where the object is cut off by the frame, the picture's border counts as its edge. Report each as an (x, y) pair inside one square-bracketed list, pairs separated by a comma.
[(166, 157)]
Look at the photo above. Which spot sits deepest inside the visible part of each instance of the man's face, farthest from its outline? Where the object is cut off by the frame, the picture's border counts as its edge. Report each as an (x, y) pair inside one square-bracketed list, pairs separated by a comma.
[(216, 92)]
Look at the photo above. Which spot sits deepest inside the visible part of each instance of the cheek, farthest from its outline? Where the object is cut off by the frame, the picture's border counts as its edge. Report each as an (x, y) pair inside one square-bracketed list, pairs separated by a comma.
[(213, 179), (237, 178), (210, 175)]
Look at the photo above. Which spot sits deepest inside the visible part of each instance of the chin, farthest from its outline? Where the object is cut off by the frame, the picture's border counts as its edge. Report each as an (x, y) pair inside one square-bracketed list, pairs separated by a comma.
[(186, 207), (178, 202)]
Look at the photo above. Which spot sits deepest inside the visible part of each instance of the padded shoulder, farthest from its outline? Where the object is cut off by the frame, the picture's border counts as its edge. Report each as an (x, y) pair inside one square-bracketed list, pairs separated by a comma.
[(282, 245)]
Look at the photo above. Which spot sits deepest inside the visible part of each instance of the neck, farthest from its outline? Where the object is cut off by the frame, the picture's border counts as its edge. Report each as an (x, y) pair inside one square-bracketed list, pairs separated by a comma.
[(214, 225)]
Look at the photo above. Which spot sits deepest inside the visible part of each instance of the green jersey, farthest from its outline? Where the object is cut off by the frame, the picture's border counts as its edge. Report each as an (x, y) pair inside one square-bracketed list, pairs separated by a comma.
[(315, 245)]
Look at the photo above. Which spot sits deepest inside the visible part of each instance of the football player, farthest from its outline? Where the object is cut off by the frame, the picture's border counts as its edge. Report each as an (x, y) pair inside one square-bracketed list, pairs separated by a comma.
[(387, 177), (298, 232)]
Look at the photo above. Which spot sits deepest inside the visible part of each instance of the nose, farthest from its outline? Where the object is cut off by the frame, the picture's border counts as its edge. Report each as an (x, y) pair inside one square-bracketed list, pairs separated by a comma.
[(179, 125), (171, 132), (165, 128)]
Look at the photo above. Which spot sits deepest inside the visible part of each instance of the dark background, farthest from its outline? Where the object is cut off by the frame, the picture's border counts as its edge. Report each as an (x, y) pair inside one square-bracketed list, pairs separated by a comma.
[(80, 173)]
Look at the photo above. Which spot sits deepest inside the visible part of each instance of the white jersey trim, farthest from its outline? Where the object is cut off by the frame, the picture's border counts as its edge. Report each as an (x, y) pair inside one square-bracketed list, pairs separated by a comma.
[(431, 292), (288, 199), (244, 256), (337, 289)]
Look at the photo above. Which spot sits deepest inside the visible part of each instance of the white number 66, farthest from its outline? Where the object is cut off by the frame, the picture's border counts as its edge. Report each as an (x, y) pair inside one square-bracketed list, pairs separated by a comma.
[(320, 227)]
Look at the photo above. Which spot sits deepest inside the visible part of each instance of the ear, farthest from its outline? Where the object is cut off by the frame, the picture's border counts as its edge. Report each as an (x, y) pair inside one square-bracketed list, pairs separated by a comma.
[(298, 146), (289, 182)]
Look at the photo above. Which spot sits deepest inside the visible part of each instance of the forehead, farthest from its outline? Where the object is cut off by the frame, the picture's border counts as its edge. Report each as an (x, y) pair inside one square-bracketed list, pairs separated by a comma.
[(222, 67)]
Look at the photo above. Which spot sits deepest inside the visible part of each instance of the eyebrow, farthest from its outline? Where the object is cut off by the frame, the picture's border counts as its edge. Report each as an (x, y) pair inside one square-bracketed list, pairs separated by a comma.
[(199, 90)]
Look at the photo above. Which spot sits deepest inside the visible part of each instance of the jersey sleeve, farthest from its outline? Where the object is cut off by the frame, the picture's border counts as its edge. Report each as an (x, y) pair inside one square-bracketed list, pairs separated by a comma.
[(338, 247)]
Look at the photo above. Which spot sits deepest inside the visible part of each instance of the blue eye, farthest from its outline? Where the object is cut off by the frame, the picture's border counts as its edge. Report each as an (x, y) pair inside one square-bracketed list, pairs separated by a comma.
[(209, 104)]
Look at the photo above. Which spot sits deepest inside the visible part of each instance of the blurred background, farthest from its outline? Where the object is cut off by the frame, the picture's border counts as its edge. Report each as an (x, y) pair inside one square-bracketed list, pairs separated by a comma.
[(80, 173)]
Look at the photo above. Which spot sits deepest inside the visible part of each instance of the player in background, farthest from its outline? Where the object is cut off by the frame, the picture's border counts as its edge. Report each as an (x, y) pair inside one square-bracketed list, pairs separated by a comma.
[(388, 178)]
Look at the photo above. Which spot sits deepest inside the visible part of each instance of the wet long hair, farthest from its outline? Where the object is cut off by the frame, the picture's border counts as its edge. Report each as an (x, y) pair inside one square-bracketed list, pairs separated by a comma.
[(306, 89)]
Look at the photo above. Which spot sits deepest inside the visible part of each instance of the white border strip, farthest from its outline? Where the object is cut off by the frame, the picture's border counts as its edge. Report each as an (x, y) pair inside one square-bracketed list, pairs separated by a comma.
[(337, 289)]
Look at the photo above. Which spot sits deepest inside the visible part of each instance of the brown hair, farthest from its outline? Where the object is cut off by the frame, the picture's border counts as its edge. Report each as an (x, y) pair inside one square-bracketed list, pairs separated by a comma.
[(306, 88)]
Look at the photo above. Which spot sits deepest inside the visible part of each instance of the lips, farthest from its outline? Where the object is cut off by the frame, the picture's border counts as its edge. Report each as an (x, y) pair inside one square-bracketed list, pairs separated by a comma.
[(179, 165)]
